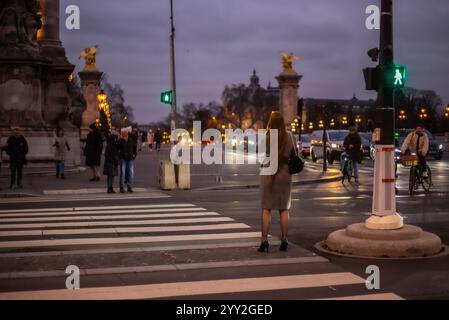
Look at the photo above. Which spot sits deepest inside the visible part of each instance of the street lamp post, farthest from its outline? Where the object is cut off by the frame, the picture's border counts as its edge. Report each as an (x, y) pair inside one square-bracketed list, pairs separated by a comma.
[(172, 69)]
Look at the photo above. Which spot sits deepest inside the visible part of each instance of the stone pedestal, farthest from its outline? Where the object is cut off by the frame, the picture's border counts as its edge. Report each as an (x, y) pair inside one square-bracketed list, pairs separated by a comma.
[(90, 87), (34, 71), (40, 144), (359, 241), (288, 102)]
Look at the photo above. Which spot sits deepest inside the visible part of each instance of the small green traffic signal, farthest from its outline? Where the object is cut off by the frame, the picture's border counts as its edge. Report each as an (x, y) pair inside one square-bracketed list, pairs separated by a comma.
[(395, 77), (396, 135), (166, 97)]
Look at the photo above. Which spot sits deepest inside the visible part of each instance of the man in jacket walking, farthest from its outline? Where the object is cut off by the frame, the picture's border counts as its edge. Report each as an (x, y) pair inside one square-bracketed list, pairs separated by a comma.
[(158, 139), (127, 148), (353, 146), (17, 149)]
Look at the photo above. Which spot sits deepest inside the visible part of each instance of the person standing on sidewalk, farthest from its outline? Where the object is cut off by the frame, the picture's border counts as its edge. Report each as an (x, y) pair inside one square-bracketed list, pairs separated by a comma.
[(143, 139), (61, 148), (111, 161), (158, 139), (128, 150), (150, 139), (17, 149), (93, 151), (275, 190)]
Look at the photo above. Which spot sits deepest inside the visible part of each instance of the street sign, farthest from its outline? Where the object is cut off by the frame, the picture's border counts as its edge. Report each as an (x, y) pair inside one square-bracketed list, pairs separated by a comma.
[(166, 97), (395, 77)]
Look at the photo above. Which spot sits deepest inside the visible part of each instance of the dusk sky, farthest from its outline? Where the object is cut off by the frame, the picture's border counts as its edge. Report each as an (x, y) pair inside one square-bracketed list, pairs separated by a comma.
[(219, 42)]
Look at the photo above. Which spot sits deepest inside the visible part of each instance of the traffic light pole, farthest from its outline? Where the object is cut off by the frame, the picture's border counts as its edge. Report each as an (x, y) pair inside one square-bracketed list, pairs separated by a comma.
[(173, 70), (386, 60), (384, 214)]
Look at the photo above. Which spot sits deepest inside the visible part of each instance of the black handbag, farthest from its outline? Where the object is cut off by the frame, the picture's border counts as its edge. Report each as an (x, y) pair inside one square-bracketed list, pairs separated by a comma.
[(295, 163)]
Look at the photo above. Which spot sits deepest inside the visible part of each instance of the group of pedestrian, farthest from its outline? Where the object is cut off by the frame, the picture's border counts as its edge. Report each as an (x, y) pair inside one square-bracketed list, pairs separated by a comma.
[(119, 156), (150, 139)]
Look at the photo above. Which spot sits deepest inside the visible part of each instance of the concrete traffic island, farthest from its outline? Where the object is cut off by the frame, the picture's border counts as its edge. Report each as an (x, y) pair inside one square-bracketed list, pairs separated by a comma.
[(359, 241)]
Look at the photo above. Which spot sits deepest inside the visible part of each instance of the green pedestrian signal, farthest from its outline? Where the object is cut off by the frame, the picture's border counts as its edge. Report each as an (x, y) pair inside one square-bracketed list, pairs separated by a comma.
[(395, 77), (166, 97)]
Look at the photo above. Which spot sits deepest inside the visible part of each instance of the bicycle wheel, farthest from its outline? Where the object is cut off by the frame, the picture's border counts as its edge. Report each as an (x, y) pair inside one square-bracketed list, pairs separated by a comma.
[(412, 180), (349, 170), (343, 171), (427, 182)]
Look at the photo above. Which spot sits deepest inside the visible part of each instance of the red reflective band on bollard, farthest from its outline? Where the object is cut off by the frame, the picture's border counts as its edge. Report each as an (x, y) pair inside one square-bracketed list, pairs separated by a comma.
[(388, 180), (388, 149)]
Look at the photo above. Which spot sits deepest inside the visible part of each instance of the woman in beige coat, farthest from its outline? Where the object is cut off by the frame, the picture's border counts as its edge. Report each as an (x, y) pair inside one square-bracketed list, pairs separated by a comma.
[(275, 190)]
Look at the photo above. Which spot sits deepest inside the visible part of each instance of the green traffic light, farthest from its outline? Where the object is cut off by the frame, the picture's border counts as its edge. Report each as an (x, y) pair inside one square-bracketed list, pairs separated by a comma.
[(395, 77), (166, 97)]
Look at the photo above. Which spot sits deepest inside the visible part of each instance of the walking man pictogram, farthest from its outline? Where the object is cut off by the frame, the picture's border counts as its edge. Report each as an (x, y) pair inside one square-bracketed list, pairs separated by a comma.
[(398, 78)]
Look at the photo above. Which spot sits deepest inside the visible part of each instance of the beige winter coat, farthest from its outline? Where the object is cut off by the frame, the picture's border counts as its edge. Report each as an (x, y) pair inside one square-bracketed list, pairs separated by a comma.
[(411, 142)]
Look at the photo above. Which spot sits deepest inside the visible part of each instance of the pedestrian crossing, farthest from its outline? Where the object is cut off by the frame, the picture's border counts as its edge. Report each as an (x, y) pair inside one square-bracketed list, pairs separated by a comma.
[(160, 237)]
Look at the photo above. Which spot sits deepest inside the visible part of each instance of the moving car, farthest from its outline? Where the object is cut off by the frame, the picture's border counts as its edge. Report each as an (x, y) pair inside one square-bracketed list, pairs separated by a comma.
[(305, 145), (366, 143), (435, 147), (334, 148)]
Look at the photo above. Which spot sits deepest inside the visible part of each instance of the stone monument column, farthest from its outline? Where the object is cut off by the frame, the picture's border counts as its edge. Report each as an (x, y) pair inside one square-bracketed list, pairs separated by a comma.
[(49, 35), (90, 87), (56, 104), (289, 85)]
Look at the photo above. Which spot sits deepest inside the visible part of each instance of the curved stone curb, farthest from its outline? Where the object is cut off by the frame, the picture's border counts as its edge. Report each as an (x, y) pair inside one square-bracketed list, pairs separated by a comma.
[(320, 248)]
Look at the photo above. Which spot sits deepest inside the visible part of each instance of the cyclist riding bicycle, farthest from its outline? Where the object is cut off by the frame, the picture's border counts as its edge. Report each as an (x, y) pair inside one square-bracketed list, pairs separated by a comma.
[(418, 143), (353, 145)]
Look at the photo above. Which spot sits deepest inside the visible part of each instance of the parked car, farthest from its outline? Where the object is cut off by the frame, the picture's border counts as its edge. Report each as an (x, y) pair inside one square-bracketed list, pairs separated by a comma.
[(304, 145), (334, 147)]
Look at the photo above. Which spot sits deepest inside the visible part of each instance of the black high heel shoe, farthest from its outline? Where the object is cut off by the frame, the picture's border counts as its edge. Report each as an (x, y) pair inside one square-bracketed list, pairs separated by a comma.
[(284, 245), (264, 246)]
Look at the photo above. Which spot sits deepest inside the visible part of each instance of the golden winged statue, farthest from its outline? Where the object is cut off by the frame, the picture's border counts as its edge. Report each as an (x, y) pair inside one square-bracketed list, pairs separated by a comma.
[(90, 57), (287, 61)]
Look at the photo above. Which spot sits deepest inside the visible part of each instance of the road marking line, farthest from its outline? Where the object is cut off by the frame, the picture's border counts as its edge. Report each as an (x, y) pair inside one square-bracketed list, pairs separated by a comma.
[(375, 296), (137, 249), (70, 209), (108, 217), (97, 212), (84, 191), (121, 230), (125, 240), (114, 223), (67, 199), (178, 289), (169, 267)]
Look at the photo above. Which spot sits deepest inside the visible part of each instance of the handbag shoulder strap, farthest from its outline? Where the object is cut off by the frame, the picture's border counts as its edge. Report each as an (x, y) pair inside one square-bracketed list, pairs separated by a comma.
[(293, 142)]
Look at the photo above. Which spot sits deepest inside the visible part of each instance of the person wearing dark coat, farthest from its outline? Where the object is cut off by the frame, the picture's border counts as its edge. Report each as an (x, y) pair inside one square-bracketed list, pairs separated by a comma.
[(93, 151), (158, 139), (17, 149), (353, 145), (127, 147), (111, 161)]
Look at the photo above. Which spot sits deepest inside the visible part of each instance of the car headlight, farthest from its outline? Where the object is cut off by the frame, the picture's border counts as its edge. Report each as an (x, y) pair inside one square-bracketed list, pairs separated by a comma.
[(397, 150), (335, 146), (440, 147)]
